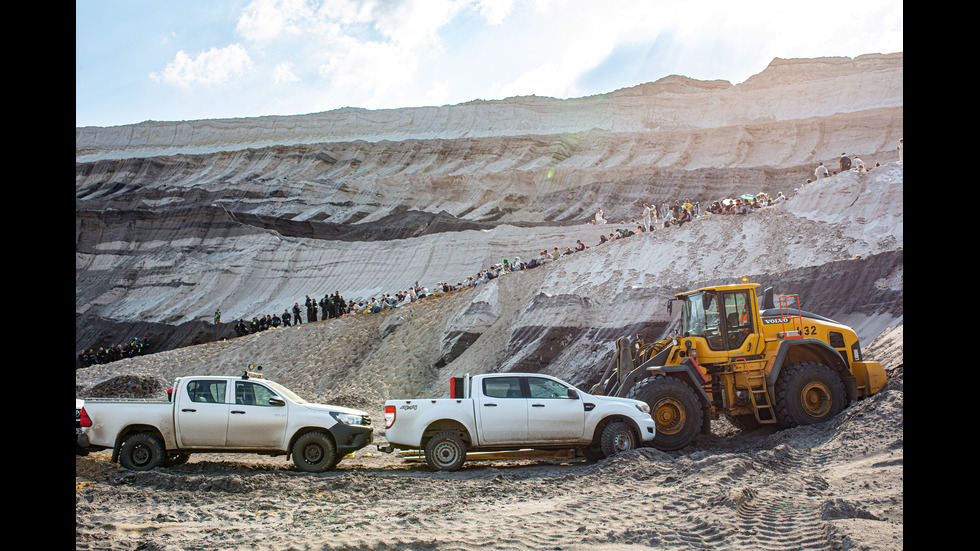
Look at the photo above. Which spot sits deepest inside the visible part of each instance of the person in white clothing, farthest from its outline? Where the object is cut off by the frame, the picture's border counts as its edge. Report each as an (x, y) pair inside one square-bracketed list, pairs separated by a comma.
[(821, 172)]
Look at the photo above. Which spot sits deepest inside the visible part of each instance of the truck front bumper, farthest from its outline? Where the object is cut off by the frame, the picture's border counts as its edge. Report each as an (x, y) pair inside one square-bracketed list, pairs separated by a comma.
[(648, 430), (351, 438)]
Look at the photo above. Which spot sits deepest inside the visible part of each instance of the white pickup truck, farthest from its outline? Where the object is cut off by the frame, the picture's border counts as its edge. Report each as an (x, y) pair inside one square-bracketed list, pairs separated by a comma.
[(508, 411), (246, 414)]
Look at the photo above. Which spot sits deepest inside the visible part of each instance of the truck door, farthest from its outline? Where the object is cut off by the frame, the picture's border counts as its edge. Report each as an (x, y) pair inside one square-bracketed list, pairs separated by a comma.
[(254, 422), (202, 414), (502, 409), (552, 414)]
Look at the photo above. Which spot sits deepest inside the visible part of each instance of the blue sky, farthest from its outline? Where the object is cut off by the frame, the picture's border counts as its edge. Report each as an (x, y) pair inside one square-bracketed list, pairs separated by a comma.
[(185, 60)]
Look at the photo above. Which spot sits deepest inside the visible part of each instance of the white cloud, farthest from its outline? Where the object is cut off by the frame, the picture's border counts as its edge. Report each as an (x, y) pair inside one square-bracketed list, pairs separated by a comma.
[(264, 20), (415, 23), (374, 67), (215, 66), (495, 11), (284, 73)]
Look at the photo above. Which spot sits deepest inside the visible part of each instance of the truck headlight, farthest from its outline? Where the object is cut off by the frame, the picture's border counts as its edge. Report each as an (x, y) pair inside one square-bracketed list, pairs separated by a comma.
[(644, 408), (350, 418)]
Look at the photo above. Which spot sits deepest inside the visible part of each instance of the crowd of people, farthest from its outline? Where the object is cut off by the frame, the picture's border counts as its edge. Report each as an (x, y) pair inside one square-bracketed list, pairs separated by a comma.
[(663, 215), (135, 347), (846, 163), (334, 306), (328, 307)]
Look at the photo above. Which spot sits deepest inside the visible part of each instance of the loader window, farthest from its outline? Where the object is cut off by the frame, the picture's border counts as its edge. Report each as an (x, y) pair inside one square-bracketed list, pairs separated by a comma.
[(738, 319), (699, 318)]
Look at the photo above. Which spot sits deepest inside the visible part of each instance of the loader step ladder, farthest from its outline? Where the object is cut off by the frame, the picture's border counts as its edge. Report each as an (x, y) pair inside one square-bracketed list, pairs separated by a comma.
[(761, 404)]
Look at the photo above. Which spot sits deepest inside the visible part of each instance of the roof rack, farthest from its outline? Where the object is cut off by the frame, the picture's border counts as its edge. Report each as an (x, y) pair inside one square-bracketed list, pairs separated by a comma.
[(249, 374)]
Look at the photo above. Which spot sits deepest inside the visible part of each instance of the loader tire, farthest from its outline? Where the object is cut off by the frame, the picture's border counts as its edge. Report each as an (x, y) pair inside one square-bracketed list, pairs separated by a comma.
[(808, 393), (675, 409)]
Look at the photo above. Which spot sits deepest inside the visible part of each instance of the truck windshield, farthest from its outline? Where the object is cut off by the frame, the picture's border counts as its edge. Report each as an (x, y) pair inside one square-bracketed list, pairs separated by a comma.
[(285, 392), (699, 318)]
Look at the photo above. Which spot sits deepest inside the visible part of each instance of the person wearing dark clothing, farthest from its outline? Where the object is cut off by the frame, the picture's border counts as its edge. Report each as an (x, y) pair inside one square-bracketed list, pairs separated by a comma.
[(845, 162), (685, 217), (310, 309), (285, 318), (296, 315), (339, 305)]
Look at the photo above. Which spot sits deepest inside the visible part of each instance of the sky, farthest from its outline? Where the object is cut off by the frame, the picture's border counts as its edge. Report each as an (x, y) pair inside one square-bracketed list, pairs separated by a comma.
[(190, 59)]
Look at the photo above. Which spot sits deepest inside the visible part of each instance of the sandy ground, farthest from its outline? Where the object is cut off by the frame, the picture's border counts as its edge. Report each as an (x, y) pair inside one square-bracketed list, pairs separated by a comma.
[(838, 485)]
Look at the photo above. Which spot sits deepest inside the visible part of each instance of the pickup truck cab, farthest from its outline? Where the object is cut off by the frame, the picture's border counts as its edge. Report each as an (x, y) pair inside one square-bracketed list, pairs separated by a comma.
[(247, 414), (508, 411)]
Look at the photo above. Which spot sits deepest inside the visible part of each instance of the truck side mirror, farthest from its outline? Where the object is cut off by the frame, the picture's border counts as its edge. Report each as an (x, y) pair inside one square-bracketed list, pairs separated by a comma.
[(572, 394), (276, 401)]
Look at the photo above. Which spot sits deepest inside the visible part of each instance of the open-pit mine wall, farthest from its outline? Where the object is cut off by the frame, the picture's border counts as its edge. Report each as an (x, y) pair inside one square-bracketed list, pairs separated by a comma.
[(175, 219)]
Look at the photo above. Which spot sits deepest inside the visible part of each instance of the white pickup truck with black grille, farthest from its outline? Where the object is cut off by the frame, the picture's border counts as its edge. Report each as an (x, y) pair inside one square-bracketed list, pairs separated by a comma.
[(247, 414), (508, 411)]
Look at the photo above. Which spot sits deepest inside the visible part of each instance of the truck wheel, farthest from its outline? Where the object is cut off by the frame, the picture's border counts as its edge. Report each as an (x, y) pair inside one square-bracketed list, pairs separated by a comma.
[(445, 452), (142, 452), (617, 437), (314, 452), (675, 409), (808, 393)]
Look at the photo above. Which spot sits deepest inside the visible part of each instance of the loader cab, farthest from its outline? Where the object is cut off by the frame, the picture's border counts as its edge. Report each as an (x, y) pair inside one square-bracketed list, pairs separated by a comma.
[(722, 319)]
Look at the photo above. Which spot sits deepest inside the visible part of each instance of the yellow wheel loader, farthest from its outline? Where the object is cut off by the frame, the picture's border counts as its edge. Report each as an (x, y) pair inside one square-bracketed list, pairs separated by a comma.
[(755, 366)]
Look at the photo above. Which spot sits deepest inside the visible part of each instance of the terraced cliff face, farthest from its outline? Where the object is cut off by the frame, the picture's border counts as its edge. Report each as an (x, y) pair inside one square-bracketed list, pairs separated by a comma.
[(177, 219)]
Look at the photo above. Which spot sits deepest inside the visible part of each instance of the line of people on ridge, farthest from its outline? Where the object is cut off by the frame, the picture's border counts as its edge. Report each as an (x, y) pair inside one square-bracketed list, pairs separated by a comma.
[(680, 213), (332, 306), (137, 346), (855, 164)]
